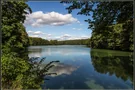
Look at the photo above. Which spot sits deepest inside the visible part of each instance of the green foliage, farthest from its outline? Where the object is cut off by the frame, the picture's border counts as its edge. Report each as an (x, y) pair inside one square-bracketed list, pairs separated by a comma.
[(18, 71), (111, 23), (53, 42), (13, 69), (23, 74), (38, 41), (116, 38), (104, 14), (37, 72), (13, 31), (14, 38)]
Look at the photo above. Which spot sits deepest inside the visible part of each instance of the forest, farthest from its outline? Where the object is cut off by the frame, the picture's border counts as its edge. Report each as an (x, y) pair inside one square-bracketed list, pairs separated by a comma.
[(39, 41), (112, 28)]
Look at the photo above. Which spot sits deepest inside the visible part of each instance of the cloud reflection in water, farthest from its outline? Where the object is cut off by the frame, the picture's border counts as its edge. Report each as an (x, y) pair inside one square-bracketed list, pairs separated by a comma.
[(61, 68)]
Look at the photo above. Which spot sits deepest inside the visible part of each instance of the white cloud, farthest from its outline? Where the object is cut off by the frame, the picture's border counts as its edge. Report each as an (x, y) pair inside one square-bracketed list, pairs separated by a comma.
[(66, 35), (77, 28), (58, 37), (39, 18), (29, 31), (34, 35), (78, 21), (85, 37), (70, 37), (38, 32), (78, 37), (64, 4), (49, 35)]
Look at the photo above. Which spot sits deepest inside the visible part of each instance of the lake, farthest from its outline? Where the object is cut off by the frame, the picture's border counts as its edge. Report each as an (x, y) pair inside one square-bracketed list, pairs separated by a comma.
[(81, 67)]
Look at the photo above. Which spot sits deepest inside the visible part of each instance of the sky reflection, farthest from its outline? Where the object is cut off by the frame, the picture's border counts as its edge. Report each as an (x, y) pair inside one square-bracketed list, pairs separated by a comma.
[(83, 68)]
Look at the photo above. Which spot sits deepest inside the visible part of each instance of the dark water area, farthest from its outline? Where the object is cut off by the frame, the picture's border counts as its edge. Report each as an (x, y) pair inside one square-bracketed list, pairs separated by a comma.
[(81, 67)]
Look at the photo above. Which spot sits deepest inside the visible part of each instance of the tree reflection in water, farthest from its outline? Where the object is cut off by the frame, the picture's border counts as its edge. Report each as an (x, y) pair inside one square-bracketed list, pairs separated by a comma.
[(118, 63)]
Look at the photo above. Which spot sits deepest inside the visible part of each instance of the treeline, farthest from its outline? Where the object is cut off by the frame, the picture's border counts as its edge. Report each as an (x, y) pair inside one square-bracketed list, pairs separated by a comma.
[(75, 42), (40, 41)]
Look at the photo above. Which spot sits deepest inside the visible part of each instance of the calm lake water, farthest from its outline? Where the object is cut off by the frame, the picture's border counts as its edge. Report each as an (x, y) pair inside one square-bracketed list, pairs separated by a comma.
[(83, 68)]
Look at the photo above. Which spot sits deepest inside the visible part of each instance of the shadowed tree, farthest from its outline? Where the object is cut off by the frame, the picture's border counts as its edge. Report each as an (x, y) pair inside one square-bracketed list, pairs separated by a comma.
[(104, 15), (18, 71)]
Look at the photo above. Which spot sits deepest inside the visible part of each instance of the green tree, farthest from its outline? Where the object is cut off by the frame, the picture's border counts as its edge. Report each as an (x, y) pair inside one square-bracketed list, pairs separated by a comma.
[(14, 38), (13, 69), (18, 71), (104, 15), (38, 41), (13, 32)]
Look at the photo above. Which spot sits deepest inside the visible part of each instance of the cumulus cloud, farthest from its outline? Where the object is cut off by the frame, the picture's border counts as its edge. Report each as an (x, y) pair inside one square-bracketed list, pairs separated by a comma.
[(30, 32), (49, 35), (38, 32), (35, 33), (39, 18), (70, 37), (66, 35), (78, 37)]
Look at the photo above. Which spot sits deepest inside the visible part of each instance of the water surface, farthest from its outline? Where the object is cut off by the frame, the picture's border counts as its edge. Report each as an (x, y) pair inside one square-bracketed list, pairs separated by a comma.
[(83, 68)]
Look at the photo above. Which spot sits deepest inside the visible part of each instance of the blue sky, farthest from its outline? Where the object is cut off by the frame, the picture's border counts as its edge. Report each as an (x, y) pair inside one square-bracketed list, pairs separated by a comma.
[(50, 20)]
